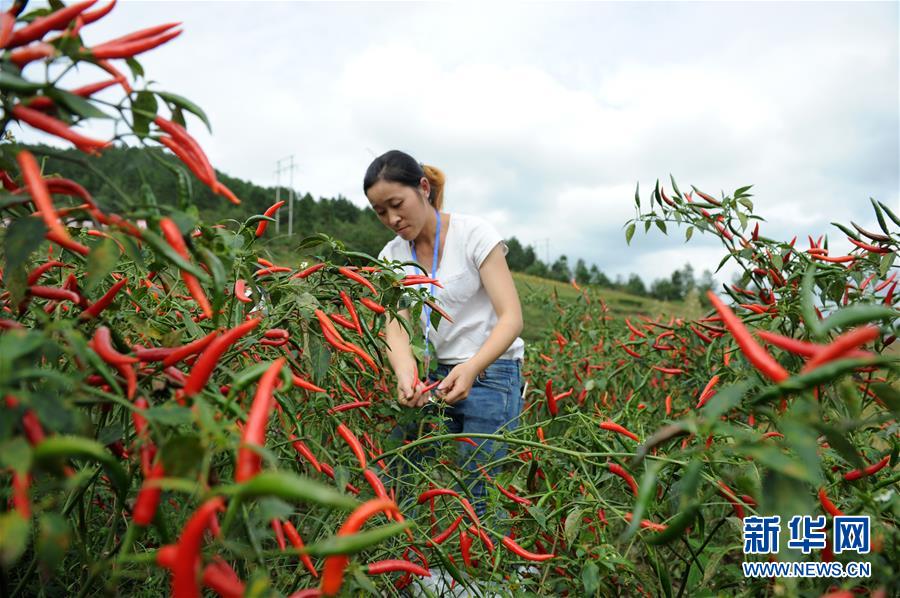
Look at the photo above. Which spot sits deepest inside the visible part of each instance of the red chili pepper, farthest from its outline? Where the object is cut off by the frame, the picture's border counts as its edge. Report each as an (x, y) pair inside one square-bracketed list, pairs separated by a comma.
[(349, 406), (668, 370), (240, 291), (513, 497), (40, 26), (148, 498), (187, 158), (841, 345), (49, 124), (731, 497), (357, 278), (614, 427), (342, 321), (634, 330), (94, 15), (192, 348), (628, 350), (40, 194), (348, 303), (707, 392), (442, 537), (619, 471), (140, 34), (351, 439), (207, 361), (428, 494), (414, 279), (219, 576), (476, 530), (261, 227), (301, 383), (101, 343), (646, 523), (191, 147), (54, 293), (103, 302), (829, 506), (187, 556), (393, 565), (754, 352), (551, 399), (295, 539), (176, 241), (465, 544), (525, 554), (248, 460), (310, 270), (22, 56), (856, 473), (376, 307), (333, 571), (279, 333), (301, 448)]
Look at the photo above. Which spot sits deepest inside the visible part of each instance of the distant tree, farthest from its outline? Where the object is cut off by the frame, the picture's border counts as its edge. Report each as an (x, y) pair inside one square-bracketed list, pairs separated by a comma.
[(538, 268), (599, 278), (518, 257), (582, 275), (635, 285), (560, 269)]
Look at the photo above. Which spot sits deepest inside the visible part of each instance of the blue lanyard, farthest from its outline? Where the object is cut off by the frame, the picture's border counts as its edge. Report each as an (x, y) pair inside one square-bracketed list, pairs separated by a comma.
[(434, 261)]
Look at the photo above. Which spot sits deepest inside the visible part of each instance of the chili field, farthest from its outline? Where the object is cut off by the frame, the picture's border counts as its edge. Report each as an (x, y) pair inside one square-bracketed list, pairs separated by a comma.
[(183, 415)]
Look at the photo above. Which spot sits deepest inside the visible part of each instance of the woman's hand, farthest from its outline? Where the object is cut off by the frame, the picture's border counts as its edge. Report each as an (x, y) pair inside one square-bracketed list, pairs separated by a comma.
[(456, 386), (406, 386)]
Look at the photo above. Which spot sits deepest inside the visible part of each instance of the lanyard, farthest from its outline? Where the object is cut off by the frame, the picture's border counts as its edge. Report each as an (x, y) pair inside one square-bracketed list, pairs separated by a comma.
[(434, 263)]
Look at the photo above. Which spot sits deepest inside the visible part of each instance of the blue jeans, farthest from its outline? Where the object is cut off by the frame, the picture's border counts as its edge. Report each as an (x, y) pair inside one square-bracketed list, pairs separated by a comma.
[(493, 406)]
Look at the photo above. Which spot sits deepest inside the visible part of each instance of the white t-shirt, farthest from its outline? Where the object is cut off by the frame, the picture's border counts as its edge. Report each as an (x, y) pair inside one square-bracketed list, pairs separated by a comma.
[(468, 242)]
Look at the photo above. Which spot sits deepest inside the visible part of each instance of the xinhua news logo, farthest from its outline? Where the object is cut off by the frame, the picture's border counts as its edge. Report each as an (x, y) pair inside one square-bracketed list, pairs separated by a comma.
[(806, 534)]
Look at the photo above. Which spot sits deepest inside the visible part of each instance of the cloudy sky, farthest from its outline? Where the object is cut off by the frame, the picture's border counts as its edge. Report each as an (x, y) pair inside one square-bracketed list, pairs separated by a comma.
[(545, 115)]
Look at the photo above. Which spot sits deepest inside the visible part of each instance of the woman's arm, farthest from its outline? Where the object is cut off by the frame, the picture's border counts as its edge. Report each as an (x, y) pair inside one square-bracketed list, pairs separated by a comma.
[(401, 358), (501, 290)]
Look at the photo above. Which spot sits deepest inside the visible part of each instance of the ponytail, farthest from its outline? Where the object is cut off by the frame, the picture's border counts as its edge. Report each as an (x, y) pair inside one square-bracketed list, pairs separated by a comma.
[(435, 178)]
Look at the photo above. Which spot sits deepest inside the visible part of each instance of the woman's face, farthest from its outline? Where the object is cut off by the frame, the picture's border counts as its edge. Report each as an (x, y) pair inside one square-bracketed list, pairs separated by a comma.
[(401, 208)]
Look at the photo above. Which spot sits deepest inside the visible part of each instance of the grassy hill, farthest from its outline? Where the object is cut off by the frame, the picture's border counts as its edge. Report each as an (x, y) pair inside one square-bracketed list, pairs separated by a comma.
[(533, 292)]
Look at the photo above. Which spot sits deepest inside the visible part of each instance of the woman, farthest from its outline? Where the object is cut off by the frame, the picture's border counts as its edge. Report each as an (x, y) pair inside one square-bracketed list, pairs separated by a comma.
[(479, 354)]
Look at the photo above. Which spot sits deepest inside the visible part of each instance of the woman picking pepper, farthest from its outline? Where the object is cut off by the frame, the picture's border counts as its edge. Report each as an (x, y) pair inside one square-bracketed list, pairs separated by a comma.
[(479, 354)]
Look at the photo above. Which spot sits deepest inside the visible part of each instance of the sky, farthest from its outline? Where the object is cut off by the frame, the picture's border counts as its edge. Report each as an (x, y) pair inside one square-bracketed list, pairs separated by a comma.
[(545, 115)]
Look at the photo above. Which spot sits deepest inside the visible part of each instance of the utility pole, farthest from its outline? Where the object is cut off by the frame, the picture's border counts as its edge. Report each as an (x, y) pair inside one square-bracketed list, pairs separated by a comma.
[(279, 168)]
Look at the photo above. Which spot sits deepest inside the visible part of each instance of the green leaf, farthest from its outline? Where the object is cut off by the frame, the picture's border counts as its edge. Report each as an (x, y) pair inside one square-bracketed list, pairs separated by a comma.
[(182, 455), (15, 83), (76, 104), (100, 262), (888, 394), (746, 203), (23, 236), (590, 578), (774, 459), (661, 226), (887, 260), (186, 104), (53, 540), (637, 195), (743, 219), (742, 191), (841, 445), (629, 232), (291, 487), (647, 225), (137, 71), (777, 262), (688, 234), (170, 415), (572, 525), (675, 186), (16, 454), (357, 542), (722, 263), (144, 109), (14, 535)]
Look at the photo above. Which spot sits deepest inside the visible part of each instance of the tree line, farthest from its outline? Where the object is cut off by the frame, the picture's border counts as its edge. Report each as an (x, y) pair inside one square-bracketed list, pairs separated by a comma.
[(145, 175)]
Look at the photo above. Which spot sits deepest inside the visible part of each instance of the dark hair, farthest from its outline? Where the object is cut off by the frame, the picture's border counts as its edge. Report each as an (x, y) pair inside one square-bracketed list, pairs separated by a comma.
[(399, 167)]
